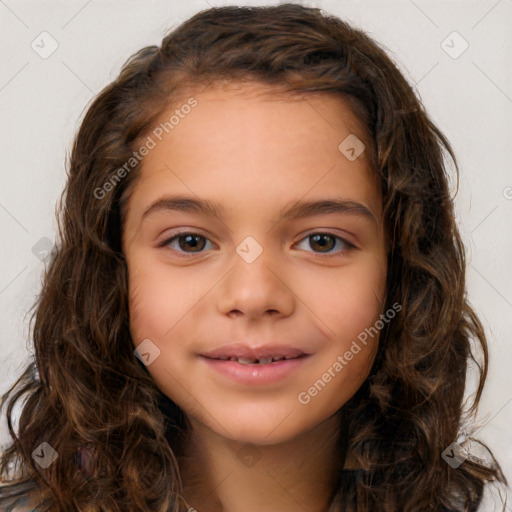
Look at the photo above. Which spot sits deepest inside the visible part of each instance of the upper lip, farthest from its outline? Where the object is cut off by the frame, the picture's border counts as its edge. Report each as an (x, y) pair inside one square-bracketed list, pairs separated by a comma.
[(237, 350)]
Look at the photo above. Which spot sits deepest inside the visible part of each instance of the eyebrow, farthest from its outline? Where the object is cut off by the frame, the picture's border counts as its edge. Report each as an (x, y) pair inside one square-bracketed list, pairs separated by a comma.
[(298, 210)]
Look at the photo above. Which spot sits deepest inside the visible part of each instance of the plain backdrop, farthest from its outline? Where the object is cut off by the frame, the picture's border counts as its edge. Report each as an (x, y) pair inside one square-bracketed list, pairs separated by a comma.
[(57, 55)]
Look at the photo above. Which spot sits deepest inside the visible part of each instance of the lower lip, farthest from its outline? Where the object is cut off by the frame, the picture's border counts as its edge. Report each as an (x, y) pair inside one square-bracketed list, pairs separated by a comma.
[(255, 374)]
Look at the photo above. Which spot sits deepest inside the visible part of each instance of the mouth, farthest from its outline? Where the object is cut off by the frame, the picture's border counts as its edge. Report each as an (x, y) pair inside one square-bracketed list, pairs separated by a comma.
[(254, 366), (255, 360), (264, 354)]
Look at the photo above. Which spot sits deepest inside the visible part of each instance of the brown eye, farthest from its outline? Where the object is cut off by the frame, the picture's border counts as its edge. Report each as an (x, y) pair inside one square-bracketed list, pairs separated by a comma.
[(325, 243), (195, 242), (187, 243)]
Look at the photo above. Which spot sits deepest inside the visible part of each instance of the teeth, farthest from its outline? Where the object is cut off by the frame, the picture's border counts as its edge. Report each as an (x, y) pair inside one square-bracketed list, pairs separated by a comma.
[(261, 360), (243, 360)]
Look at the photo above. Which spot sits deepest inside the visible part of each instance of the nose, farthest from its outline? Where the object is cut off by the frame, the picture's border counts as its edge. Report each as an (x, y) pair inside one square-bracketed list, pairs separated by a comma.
[(261, 288)]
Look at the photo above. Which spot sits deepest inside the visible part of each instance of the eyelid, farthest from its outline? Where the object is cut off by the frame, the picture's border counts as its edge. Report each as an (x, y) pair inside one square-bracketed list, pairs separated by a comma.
[(192, 231), (345, 236)]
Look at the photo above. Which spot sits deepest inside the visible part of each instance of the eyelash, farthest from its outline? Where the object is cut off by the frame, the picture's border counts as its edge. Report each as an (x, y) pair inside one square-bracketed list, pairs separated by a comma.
[(349, 245)]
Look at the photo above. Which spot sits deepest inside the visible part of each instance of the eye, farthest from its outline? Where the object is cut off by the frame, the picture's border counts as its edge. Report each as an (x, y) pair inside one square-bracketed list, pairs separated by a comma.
[(326, 242), (185, 241), (194, 243)]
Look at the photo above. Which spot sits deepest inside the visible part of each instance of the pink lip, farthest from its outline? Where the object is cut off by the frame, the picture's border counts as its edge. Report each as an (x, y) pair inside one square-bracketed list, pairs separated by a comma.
[(255, 374)]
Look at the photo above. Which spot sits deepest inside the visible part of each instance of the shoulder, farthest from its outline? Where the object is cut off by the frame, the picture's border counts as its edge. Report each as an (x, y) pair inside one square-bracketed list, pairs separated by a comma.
[(18, 494), (25, 504)]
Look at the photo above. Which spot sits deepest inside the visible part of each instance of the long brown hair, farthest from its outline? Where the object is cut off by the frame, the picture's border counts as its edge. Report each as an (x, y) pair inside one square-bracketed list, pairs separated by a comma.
[(85, 387)]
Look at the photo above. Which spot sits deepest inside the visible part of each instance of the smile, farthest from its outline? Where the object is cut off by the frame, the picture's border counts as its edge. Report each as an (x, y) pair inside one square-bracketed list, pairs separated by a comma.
[(253, 360), (255, 371)]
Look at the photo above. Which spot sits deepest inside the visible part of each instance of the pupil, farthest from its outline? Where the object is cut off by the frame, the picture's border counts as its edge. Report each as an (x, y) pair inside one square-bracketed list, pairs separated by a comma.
[(191, 240), (317, 239)]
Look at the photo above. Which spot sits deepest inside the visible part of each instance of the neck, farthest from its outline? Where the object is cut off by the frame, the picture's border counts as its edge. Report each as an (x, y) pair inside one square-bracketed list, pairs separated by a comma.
[(222, 475)]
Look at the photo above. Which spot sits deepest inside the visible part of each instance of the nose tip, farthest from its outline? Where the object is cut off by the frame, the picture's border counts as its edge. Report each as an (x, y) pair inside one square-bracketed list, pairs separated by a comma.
[(255, 290)]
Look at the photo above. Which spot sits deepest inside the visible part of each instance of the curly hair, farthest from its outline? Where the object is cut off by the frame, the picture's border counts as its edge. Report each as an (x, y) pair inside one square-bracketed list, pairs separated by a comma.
[(85, 387)]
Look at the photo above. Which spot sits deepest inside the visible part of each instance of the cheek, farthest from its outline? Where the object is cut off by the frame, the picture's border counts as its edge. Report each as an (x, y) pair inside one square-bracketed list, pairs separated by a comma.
[(348, 310), (157, 301), (150, 300), (346, 302), (146, 306)]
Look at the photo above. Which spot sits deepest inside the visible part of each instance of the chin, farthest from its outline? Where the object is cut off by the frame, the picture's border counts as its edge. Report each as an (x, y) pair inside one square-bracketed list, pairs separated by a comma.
[(264, 428)]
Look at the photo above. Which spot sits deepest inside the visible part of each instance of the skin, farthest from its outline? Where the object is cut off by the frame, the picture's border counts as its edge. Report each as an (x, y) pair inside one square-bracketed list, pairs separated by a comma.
[(253, 150)]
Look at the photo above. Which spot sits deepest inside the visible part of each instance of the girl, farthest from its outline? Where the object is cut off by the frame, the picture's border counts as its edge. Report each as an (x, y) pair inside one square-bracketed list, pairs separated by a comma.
[(257, 301)]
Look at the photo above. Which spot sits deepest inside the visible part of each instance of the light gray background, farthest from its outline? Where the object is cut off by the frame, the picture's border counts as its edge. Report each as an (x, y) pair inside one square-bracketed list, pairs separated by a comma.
[(42, 101)]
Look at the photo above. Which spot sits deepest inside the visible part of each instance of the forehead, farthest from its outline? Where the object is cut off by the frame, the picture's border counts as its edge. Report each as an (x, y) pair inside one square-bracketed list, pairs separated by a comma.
[(260, 135), (336, 111)]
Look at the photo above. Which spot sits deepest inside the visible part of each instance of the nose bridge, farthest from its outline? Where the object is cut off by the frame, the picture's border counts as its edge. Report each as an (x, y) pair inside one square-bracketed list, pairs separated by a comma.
[(256, 283)]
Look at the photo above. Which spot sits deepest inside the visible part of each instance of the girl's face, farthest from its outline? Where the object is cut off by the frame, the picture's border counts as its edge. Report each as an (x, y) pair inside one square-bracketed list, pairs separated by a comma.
[(275, 272)]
